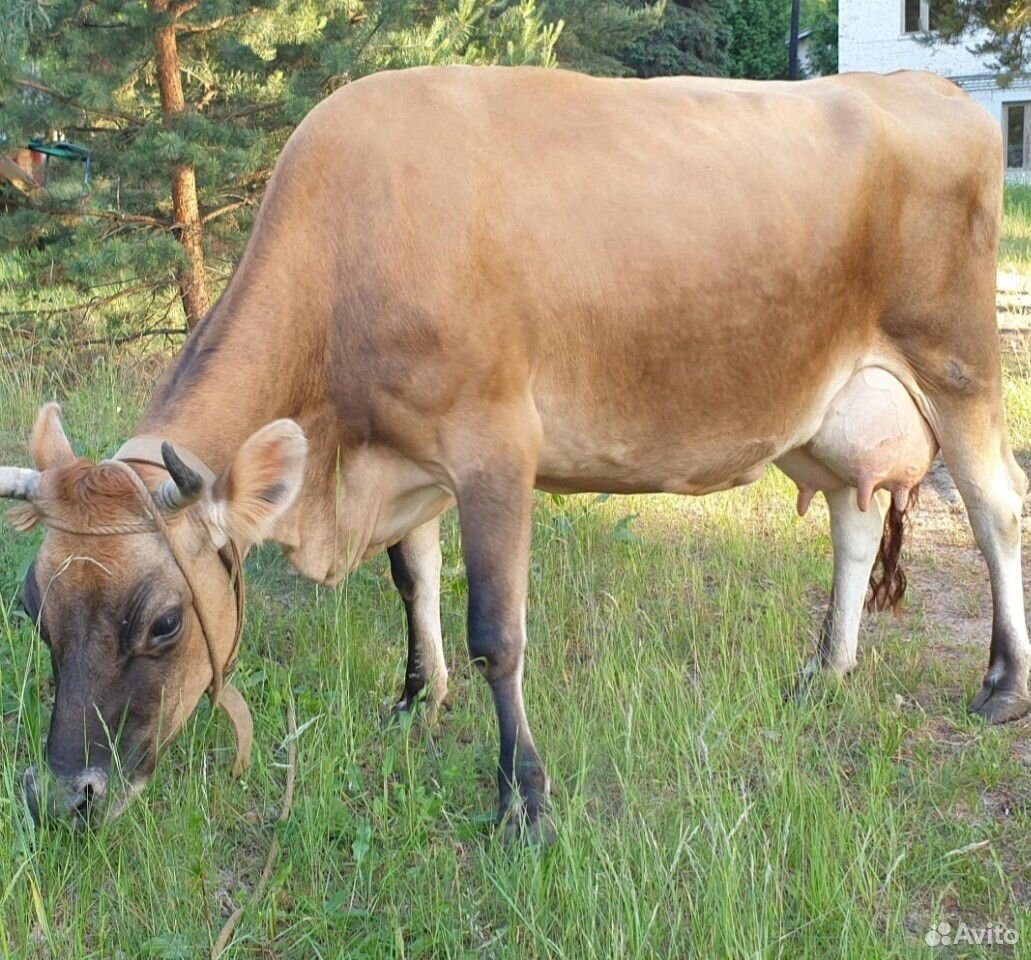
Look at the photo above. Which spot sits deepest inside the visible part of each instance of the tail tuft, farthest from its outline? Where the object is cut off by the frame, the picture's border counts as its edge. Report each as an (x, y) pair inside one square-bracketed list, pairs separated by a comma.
[(888, 579)]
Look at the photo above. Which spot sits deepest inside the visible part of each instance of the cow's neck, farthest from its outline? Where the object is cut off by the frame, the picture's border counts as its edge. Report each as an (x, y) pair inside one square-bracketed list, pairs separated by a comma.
[(249, 362)]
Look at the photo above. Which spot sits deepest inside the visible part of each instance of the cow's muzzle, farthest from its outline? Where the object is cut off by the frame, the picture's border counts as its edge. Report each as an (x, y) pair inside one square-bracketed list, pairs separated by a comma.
[(79, 797)]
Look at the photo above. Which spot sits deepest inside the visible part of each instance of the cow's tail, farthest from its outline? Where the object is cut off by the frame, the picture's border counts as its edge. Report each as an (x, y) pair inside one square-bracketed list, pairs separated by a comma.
[(888, 579)]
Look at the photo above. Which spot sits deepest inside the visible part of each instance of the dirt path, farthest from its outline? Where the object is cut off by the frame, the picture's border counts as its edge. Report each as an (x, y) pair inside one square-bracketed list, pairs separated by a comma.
[(1014, 301), (945, 568)]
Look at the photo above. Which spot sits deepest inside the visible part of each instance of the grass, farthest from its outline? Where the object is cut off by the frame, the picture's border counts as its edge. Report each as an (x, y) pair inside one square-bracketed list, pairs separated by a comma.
[(699, 815), (1015, 246)]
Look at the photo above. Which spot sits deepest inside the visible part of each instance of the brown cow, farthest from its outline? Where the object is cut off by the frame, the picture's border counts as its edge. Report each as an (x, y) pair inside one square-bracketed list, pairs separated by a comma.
[(466, 283)]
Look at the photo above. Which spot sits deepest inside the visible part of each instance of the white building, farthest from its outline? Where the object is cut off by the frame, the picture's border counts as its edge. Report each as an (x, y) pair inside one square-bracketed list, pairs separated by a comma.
[(885, 35)]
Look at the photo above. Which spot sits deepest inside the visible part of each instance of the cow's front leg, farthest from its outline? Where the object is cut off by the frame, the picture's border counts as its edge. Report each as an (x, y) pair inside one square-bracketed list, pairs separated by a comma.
[(415, 568), (494, 508), (855, 535)]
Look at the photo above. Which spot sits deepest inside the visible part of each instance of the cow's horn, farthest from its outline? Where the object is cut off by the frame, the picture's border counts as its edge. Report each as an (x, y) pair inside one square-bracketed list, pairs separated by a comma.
[(184, 487), (17, 483)]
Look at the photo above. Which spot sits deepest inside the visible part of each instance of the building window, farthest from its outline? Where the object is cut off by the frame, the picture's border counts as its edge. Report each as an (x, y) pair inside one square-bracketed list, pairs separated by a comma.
[(918, 16), (1018, 135)]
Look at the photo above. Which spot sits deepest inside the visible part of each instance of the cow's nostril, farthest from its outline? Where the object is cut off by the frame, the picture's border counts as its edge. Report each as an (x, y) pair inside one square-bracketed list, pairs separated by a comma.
[(84, 803)]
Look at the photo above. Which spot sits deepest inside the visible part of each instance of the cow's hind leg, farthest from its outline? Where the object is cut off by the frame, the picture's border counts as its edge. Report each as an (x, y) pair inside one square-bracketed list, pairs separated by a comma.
[(943, 322), (993, 487), (415, 568), (494, 507), (856, 535)]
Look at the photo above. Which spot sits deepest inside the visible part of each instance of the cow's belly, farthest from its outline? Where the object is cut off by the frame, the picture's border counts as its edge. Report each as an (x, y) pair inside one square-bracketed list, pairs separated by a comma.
[(662, 443), (863, 431), (612, 456), (658, 468)]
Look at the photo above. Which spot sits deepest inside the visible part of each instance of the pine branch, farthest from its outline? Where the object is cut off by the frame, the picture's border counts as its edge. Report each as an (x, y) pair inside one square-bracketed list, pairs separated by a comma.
[(72, 102), (228, 208), (368, 38), (113, 215), (187, 30), (248, 111), (99, 341), (256, 176), (86, 305), (131, 337)]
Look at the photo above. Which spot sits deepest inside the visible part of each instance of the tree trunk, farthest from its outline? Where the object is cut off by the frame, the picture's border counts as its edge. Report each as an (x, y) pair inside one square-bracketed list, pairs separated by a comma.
[(796, 6), (193, 281)]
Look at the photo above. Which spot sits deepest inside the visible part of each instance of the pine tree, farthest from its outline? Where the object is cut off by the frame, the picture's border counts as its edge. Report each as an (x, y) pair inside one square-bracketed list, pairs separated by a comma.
[(692, 37), (597, 34), (759, 32), (822, 19), (1007, 24), (642, 38), (184, 106), (193, 281)]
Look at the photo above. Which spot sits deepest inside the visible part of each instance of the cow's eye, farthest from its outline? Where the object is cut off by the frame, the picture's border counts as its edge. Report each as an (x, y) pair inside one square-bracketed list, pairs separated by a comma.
[(166, 627)]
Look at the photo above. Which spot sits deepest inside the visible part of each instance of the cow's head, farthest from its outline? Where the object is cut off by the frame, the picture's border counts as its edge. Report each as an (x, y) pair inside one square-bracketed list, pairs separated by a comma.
[(120, 598)]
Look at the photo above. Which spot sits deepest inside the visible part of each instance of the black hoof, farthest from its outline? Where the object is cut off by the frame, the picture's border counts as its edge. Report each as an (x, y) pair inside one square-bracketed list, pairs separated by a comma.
[(517, 829), (419, 705), (801, 690), (999, 706), (524, 813), (813, 684)]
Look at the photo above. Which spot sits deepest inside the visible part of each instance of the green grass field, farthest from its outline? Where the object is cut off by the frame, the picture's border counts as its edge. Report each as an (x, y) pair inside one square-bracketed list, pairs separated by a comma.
[(699, 815)]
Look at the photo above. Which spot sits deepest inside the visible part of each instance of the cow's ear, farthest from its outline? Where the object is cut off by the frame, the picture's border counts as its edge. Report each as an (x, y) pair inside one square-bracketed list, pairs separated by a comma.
[(260, 485), (49, 446)]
